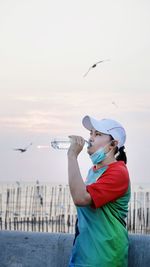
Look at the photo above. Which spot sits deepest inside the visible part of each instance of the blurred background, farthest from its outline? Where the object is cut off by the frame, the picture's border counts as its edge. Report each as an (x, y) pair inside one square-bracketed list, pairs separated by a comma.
[(45, 49)]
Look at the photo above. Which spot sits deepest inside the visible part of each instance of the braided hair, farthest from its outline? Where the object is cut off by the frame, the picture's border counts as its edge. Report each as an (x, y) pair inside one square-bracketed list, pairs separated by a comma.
[(121, 153)]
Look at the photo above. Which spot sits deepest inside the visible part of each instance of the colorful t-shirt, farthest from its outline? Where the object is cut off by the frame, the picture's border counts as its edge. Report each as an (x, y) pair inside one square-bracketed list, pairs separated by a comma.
[(101, 236)]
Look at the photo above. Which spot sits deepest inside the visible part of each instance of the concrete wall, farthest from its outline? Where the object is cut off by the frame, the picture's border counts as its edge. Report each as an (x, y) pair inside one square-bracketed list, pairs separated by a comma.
[(32, 249)]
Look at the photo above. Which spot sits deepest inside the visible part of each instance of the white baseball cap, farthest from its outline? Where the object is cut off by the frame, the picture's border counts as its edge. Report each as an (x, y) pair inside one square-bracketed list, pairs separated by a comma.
[(106, 126)]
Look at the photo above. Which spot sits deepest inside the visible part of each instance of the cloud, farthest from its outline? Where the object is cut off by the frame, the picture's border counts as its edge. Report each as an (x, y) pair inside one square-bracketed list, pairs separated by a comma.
[(38, 121), (62, 111)]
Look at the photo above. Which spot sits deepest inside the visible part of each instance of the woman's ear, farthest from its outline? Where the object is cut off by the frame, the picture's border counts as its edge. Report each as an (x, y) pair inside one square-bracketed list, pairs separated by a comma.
[(114, 143)]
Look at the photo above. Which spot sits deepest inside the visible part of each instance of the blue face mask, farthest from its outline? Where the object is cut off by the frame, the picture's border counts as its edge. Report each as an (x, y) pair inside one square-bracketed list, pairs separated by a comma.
[(99, 155)]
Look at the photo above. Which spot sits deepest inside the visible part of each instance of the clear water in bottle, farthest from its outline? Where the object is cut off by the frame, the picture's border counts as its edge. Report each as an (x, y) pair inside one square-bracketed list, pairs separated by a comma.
[(64, 143)]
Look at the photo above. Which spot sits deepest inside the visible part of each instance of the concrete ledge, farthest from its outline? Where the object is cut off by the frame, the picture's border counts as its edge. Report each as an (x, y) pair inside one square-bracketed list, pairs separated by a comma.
[(34, 249)]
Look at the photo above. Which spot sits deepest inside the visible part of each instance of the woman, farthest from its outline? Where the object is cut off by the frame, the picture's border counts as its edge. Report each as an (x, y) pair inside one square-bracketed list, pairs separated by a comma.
[(101, 237)]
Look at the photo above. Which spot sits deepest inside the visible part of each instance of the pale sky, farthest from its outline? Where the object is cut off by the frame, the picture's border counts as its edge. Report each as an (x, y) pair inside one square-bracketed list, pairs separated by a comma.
[(45, 48)]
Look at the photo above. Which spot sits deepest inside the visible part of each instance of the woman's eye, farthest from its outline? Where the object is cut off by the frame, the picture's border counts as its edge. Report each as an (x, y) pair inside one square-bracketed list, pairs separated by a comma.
[(98, 133)]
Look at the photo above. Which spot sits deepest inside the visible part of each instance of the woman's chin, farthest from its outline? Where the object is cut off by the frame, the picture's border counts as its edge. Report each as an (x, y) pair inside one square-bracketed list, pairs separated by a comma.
[(90, 151)]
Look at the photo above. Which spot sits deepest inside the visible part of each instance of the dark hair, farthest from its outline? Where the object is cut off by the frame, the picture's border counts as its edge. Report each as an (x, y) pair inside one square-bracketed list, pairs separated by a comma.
[(122, 153)]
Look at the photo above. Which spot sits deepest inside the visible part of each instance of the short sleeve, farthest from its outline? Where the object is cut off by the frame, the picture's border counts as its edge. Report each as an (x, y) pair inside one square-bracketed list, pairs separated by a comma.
[(111, 185)]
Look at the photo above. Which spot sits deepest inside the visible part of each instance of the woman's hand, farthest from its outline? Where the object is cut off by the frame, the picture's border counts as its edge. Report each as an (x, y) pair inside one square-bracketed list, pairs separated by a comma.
[(77, 144)]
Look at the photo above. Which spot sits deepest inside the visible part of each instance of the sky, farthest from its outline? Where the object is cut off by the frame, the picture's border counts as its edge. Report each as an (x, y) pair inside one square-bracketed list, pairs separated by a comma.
[(45, 48)]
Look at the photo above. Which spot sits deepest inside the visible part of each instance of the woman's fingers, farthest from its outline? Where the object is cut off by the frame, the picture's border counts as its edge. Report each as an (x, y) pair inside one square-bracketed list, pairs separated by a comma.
[(77, 143), (77, 139), (81, 141)]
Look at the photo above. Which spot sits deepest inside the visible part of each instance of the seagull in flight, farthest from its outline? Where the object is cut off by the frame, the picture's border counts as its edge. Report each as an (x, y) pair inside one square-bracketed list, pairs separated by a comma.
[(22, 150), (114, 103), (94, 65)]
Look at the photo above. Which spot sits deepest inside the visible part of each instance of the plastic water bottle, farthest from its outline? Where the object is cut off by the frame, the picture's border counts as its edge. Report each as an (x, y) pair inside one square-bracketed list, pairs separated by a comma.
[(64, 143)]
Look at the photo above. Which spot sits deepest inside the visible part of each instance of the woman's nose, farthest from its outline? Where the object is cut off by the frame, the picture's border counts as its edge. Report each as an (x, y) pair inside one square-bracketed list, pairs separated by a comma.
[(91, 139)]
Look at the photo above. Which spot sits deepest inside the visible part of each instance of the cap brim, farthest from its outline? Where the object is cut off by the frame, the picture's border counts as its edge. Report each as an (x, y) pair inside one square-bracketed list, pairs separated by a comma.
[(90, 123)]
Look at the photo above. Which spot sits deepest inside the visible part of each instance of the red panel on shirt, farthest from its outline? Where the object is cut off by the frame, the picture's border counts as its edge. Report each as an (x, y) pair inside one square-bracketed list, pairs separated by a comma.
[(112, 184)]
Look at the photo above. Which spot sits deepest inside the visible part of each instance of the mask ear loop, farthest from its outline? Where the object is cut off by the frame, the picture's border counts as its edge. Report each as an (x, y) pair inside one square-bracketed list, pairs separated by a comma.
[(106, 146), (115, 147), (108, 153)]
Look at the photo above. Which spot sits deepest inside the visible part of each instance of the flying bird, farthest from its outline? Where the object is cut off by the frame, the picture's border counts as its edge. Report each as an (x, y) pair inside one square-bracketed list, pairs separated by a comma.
[(114, 103), (94, 65), (22, 150)]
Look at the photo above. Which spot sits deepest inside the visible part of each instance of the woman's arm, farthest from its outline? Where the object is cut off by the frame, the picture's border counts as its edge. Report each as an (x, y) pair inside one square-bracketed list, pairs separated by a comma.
[(77, 187)]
